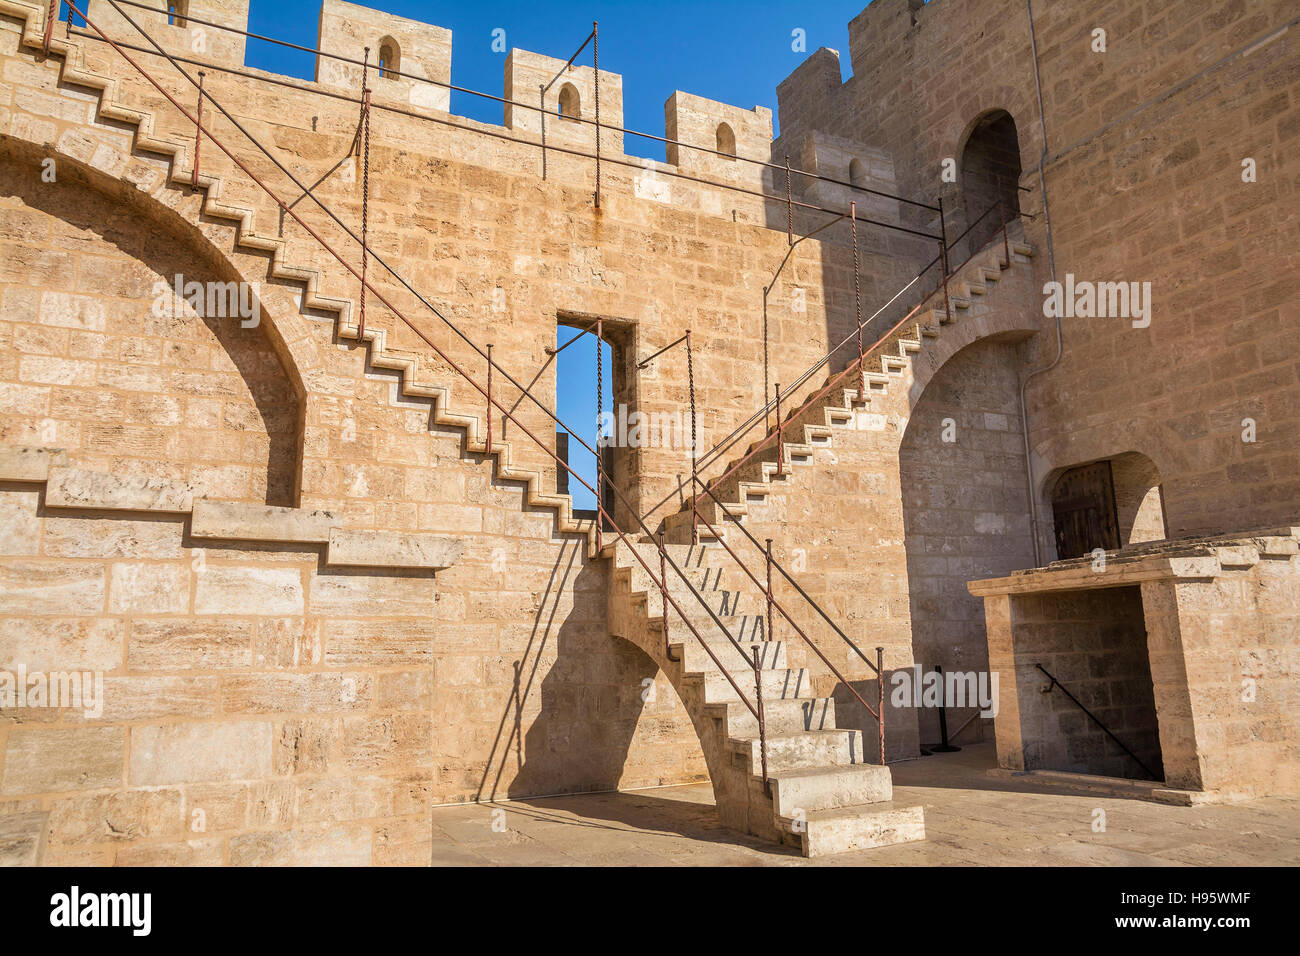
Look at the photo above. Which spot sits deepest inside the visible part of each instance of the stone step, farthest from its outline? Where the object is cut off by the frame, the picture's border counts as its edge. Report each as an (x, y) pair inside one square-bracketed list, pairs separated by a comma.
[(812, 748), (743, 627), (695, 658), (809, 789), (779, 684), (779, 716), (823, 832)]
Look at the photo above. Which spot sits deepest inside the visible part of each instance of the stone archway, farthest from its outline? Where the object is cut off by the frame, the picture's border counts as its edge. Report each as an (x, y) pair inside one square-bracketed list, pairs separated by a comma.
[(990, 172), (120, 372)]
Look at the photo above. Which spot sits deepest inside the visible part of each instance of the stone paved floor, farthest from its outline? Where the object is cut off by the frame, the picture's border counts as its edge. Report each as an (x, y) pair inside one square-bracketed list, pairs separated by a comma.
[(970, 817)]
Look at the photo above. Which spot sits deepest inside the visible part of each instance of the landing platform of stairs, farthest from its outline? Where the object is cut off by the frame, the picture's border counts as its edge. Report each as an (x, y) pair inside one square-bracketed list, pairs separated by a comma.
[(972, 818)]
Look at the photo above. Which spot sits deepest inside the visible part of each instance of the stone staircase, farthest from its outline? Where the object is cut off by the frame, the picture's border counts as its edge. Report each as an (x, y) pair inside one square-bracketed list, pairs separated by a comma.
[(825, 794), (813, 424)]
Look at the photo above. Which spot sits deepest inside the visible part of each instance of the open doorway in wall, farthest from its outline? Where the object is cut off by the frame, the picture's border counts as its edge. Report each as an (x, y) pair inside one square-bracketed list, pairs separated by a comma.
[(990, 171), (1107, 504), (1086, 700), (594, 409)]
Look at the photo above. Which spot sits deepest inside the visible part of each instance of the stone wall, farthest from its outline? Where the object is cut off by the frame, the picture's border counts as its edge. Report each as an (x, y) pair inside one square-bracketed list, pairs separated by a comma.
[(962, 464), (1094, 643), (1143, 169)]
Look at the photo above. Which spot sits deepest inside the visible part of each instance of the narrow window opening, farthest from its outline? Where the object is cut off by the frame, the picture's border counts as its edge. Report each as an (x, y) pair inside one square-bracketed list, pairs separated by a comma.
[(726, 141), (570, 105)]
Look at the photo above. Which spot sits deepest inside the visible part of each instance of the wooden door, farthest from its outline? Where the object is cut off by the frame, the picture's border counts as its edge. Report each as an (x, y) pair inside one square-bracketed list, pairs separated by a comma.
[(1083, 508)]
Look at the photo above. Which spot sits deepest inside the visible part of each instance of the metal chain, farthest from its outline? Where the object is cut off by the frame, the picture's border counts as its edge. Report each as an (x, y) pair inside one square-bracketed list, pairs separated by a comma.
[(600, 448), (695, 508), (857, 305), (595, 58), (365, 189)]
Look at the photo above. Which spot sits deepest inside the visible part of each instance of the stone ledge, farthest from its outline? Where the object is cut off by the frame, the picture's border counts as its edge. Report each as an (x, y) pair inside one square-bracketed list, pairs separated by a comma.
[(77, 489), (1180, 559), (392, 549), (1154, 791), (74, 488), (238, 521), (19, 463)]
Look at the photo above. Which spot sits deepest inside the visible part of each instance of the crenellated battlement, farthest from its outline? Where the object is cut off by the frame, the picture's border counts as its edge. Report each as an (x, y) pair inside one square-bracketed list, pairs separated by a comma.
[(411, 70)]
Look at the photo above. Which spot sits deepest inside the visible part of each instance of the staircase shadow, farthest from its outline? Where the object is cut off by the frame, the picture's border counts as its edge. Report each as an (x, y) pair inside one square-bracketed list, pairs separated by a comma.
[(672, 813)]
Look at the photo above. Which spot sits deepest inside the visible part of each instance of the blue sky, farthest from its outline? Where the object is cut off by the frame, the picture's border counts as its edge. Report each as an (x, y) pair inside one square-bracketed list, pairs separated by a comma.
[(735, 51), (727, 50)]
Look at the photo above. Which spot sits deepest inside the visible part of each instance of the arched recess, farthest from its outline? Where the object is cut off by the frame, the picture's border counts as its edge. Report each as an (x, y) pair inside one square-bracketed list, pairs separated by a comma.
[(390, 58), (726, 138), (857, 172), (990, 172), (137, 382), (965, 505), (1106, 503), (570, 103)]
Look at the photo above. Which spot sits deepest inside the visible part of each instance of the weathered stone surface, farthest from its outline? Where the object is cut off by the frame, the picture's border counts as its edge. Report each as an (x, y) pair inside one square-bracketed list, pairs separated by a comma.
[(386, 549), (76, 488), (22, 838), (222, 589), (248, 522), (188, 753), (21, 463), (43, 761)]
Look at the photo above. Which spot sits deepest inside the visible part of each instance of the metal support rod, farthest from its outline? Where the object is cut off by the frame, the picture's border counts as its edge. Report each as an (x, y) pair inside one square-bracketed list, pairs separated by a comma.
[(767, 553), (943, 262), (789, 203), (1006, 246), (673, 344), (663, 594), (762, 724), (550, 351), (50, 16), (198, 133), (780, 440), (67, 31), (600, 445), (541, 102), (365, 191), (489, 398), (857, 304), (1093, 718), (880, 699), (944, 747), (695, 506), (595, 59)]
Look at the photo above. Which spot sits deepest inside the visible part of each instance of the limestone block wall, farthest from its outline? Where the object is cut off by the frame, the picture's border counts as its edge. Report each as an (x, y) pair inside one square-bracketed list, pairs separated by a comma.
[(697, 121), (962, 469), (1144, 177), (1232, 641), (419, 49)]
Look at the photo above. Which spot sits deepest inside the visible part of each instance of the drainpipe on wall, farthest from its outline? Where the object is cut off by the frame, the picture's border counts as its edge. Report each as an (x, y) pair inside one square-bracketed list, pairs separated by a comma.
[(1051, 265)]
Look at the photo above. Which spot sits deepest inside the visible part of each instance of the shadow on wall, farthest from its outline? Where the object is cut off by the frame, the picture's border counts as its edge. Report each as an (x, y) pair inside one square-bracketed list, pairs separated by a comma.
[(154, 375), (965, 508), (572, 714)]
